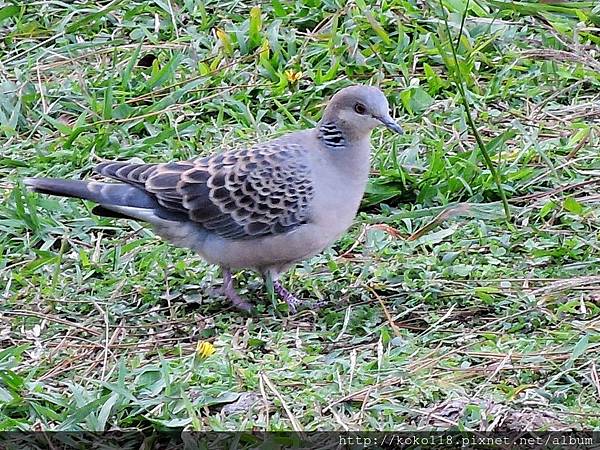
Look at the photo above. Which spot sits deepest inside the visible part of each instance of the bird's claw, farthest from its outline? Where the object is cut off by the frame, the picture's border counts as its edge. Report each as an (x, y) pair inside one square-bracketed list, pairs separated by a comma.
[(229, 291), (292, 301)]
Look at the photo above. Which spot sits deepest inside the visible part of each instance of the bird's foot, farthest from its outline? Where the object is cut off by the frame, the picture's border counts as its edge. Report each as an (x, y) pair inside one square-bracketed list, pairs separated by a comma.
[(292, 301), (229, 291), (237, 301)]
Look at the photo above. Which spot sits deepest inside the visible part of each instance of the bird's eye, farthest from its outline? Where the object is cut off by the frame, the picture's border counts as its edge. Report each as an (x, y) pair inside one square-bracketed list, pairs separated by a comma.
[(360, 108)]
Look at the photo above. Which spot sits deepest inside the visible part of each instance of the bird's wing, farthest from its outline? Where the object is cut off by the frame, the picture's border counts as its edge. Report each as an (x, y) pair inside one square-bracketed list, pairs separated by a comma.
[(239, 194)]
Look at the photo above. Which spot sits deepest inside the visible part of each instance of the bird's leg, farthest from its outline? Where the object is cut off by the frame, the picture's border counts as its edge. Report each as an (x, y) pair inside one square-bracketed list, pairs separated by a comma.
[(230, 292), (274, 287), (292, 301)]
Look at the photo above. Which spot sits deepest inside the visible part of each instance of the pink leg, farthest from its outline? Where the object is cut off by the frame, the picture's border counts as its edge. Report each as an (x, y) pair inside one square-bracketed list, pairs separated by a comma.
[(231, 293), (292, 301)]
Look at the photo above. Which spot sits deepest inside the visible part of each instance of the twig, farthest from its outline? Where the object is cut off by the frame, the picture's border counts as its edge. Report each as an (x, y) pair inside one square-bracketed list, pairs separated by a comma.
[(385, 311), (106, 338), (295, 424), (52, 319)]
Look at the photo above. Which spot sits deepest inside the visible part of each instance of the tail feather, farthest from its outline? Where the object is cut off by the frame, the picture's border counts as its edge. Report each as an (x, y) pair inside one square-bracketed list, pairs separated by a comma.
[(63, 188), (105, 194), (117, 200), (103, 211)]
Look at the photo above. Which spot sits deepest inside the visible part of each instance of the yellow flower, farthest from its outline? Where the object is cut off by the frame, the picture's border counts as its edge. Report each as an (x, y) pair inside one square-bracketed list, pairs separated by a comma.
[(292, 75), (204, 349)]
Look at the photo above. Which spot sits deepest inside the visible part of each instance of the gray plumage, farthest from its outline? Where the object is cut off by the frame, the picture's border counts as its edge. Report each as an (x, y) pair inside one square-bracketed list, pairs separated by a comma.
[(264, 207)]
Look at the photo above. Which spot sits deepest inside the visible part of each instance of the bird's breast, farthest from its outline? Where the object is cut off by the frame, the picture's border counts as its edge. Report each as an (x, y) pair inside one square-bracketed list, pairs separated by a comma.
[(340, 183)]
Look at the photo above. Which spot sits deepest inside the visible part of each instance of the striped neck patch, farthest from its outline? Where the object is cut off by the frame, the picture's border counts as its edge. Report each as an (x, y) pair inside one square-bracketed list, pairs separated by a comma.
[(331, 135)]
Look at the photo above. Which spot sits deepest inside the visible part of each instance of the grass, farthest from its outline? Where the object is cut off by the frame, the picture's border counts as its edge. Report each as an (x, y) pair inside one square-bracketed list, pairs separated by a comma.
[(440, 312)]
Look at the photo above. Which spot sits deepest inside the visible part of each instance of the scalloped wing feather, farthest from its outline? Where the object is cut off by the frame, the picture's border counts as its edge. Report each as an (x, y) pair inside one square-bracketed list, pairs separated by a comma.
[(239, 194)]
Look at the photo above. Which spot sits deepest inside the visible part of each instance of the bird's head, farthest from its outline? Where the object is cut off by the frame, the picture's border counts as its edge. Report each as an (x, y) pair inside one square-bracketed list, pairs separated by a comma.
[(359, 109)]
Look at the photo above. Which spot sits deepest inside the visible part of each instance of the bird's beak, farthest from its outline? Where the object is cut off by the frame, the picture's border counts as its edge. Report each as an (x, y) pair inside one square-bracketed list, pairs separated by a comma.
[(389, 123)]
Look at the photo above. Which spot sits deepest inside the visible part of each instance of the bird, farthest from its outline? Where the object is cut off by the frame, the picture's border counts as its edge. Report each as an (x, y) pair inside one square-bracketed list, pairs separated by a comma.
[(264, 207)]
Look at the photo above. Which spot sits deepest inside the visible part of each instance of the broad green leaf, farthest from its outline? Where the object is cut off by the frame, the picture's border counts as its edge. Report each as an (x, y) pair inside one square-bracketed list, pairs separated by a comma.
[(9, 11), (573, 206)]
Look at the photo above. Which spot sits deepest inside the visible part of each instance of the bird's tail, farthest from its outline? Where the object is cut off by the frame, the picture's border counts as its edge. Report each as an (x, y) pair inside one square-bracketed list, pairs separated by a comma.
[(114, 199)]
